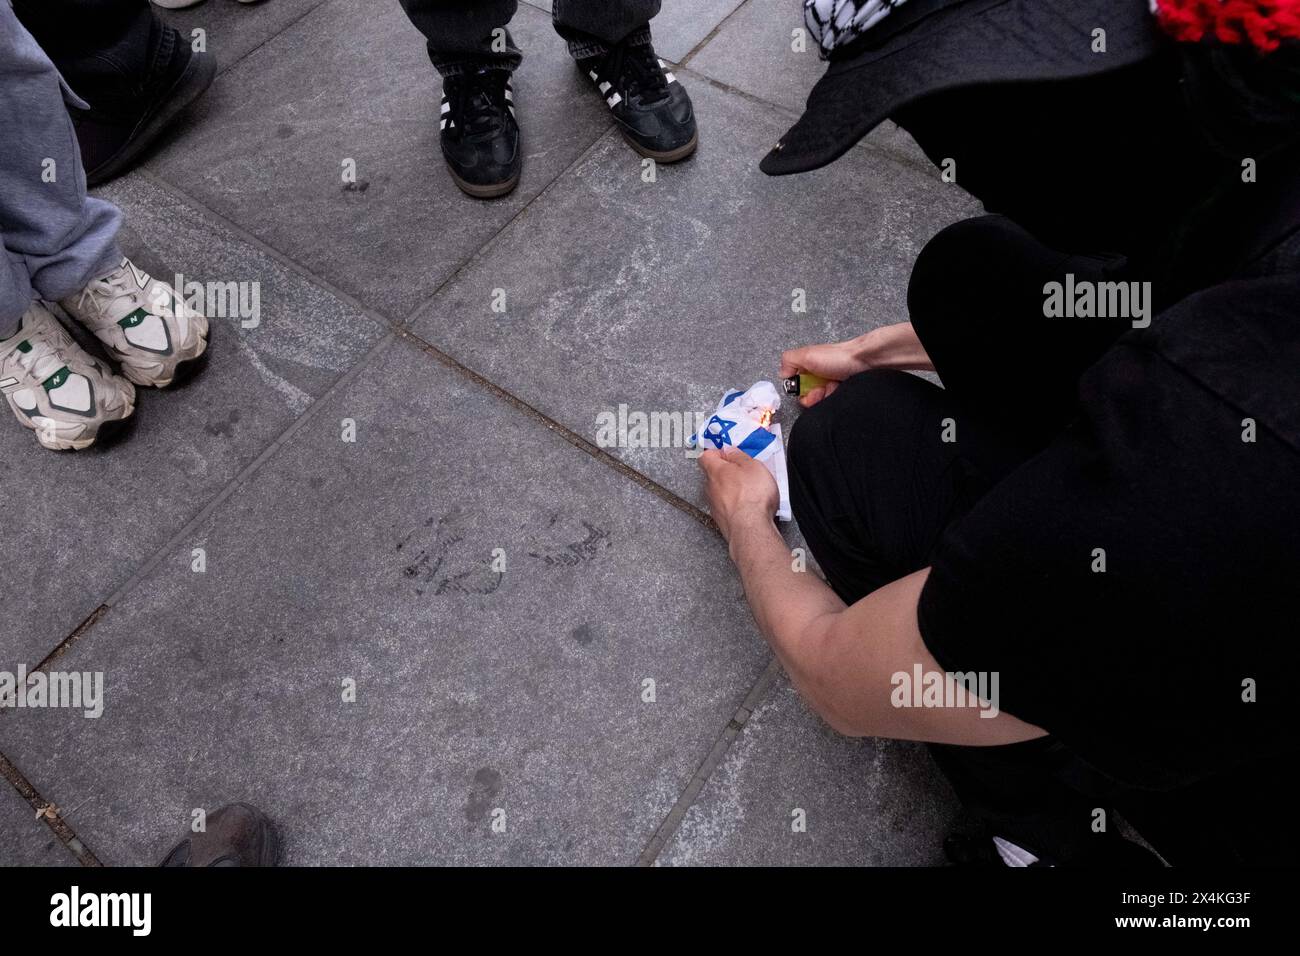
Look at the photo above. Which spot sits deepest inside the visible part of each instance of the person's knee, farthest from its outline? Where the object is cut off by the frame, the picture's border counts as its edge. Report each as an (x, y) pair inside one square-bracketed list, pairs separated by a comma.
[(848, 456), (864, 412), (821, 466), (810, 434), (955, 245), (950, 266)]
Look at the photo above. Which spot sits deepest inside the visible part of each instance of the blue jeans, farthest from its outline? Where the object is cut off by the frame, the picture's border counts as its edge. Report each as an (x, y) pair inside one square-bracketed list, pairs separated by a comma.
[(460, 32), (54, 238)]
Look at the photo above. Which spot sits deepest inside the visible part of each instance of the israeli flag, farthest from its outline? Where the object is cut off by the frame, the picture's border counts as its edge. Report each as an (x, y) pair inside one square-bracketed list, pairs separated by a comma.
[(743, 420)]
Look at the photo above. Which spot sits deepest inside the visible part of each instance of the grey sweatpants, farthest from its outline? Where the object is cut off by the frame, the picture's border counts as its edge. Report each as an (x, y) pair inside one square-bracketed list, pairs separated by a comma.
[(54, 238)]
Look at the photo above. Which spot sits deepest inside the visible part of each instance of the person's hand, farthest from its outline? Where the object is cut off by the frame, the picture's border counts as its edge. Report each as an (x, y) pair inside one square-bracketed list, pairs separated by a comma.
[(834, 361), (740, 489)]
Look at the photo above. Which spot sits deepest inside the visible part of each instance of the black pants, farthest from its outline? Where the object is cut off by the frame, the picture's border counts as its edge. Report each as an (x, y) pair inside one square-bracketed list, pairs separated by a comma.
[(107, 50), (460, 32)]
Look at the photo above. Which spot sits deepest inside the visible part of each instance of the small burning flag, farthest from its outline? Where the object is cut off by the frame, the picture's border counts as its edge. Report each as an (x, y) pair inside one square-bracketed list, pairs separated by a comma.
[(744, 421)]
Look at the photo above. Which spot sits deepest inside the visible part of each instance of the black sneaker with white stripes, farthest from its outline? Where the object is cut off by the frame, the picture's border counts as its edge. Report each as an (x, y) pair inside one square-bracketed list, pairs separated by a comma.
[(480, 138), (651, 107)]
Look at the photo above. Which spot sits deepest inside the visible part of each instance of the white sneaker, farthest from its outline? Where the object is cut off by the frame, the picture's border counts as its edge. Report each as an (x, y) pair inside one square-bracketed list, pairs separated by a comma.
[(143, 322), (55, 388)]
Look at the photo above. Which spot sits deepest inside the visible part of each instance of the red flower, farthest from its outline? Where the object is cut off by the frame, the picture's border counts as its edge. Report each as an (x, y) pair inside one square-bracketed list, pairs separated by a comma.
[(1261, 23)]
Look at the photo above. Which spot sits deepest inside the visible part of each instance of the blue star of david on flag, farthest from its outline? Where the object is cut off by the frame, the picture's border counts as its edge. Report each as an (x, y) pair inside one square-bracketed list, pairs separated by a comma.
[(721, 435)]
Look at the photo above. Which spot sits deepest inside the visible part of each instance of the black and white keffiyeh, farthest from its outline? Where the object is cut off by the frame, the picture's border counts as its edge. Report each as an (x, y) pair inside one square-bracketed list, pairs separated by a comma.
[(836, 22)]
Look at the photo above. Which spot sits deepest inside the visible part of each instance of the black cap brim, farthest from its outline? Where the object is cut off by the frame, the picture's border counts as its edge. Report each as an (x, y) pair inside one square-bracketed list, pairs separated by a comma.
[(947, 44)]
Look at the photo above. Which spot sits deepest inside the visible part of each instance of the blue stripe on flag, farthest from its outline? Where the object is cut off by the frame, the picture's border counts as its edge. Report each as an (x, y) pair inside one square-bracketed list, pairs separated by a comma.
[(756, 441), (731, 397)]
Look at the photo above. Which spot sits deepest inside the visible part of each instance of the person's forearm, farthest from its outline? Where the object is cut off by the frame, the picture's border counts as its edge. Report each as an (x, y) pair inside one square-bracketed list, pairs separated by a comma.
[(793, 609), (893, 346)]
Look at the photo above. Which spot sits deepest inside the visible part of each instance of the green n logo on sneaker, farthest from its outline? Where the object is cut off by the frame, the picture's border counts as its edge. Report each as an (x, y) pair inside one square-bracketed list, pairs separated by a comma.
[(134, 319), (57, 379)]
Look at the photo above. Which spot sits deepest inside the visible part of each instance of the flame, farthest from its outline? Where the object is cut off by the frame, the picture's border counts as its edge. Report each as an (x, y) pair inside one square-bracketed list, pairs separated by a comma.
[(766, 418)]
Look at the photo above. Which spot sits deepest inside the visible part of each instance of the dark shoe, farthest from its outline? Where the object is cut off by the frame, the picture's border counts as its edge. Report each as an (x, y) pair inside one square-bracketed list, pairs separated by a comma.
[(237, 835), (651, 107), (480, 138), (114, 132)]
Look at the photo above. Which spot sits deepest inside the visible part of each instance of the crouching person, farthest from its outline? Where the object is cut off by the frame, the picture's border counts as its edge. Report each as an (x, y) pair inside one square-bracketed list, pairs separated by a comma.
[(1113, 561)]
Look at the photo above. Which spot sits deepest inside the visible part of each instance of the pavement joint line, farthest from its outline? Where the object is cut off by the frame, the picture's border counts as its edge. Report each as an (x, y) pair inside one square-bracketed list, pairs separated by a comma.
[(309, 274), (243, 235), (708, 38), (478, 254), (48, 812), (153, 560), (394, 330), (563, 431), (91, 620), (284, 29), (68, 836), (306, 273), (248, 470), (668, 828)]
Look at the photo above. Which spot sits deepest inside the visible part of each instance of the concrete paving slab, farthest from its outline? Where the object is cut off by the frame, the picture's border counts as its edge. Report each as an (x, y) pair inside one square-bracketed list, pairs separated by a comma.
[(79, 524), (681, 24), (270, 144), (482, 695), (613, 297), (793, 792), (24, 840), (758, 52), (233, 30)]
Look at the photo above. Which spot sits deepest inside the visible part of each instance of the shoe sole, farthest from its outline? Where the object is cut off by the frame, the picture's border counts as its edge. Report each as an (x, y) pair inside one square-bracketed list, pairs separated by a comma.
[(105, 434), (110, 433), (189, 86), (491, 191), (188, 369), (185, 369), (670, 156)]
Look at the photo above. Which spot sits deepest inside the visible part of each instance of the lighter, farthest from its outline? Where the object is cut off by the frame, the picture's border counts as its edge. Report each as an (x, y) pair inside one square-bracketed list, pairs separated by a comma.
[(803, 383)]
